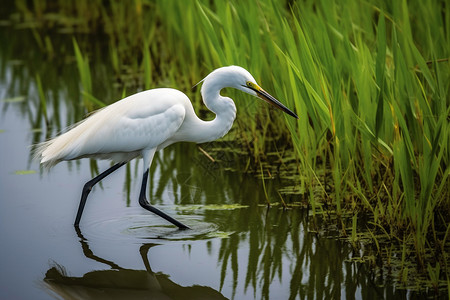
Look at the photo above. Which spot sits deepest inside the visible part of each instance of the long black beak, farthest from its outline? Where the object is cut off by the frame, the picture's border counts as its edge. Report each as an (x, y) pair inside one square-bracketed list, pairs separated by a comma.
[(271, 100)]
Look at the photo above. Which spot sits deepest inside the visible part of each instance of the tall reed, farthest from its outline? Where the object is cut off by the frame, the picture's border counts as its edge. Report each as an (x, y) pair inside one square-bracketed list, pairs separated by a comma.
[(369, 79)]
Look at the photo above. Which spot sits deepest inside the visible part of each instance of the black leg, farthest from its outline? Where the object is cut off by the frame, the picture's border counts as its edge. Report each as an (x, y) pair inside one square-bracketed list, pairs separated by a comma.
[(88, 188), (144, 203)]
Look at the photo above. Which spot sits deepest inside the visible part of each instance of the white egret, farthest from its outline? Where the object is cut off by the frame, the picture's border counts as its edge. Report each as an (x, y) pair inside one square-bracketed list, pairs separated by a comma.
[(149, 121)]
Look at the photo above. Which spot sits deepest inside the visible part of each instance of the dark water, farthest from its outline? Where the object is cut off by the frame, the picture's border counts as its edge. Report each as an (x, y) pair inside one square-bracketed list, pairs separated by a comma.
[(237, 248)]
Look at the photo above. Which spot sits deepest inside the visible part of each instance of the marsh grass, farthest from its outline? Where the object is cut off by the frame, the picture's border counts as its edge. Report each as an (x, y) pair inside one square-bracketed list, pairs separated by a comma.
[(368, 79)]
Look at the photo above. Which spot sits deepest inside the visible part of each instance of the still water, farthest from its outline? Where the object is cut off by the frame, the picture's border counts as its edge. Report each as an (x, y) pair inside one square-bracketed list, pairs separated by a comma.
[(236, 249)]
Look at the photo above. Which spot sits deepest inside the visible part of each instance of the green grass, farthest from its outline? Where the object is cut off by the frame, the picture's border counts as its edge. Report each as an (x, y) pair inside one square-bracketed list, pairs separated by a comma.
[(368, 79)]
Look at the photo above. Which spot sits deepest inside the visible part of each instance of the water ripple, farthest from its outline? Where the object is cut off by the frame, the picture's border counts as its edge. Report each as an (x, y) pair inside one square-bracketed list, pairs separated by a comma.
[(139, 226)]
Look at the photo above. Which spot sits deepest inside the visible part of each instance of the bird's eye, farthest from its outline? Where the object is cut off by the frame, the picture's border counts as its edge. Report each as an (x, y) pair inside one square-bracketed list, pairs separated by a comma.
[(250, 84)]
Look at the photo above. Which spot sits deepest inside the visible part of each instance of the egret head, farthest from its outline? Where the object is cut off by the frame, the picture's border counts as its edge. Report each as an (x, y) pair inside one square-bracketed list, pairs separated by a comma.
[(239, 78)]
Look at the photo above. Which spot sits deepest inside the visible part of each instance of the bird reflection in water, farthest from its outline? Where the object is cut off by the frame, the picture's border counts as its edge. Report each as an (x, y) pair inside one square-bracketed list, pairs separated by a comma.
[(121, 283)]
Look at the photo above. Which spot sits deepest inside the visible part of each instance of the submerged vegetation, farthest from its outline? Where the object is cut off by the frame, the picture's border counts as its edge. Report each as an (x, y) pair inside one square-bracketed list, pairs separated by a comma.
[(369, 80)]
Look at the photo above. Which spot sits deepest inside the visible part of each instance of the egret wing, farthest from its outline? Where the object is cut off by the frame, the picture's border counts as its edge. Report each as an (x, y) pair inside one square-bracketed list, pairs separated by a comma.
[(133, 131), (141, 121)]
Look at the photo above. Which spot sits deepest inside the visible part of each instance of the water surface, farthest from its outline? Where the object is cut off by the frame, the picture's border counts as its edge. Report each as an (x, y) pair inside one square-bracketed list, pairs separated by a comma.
[(236, 249)]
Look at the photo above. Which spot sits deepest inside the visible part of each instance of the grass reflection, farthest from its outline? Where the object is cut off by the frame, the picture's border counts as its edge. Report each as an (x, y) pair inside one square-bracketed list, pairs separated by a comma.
[(275, 245), (270, 249)]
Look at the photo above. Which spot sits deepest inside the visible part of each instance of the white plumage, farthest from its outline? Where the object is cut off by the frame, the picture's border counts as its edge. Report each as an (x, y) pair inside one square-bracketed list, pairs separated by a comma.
[(121, 130), (143, 123)]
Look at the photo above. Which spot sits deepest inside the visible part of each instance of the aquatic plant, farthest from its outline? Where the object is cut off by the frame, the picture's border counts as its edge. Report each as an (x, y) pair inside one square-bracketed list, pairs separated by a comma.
[(369, 79)]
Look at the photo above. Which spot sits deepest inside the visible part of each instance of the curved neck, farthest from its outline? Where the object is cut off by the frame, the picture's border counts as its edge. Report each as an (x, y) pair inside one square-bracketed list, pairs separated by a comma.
[(223, 107), (225, 111)]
